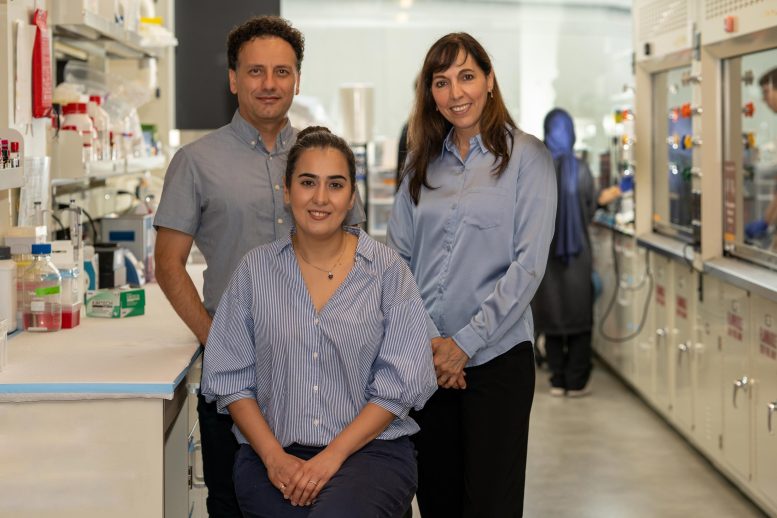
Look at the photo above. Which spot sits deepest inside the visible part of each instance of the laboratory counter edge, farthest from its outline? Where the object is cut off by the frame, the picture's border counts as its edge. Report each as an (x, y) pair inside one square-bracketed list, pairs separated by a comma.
[(145, 356)]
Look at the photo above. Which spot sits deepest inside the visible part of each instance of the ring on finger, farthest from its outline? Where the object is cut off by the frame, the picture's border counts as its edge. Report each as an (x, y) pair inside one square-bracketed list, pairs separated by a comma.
[(312, 482)]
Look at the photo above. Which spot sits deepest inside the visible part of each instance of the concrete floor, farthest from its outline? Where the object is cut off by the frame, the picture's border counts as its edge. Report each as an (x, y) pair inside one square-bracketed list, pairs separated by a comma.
[(608, 455)]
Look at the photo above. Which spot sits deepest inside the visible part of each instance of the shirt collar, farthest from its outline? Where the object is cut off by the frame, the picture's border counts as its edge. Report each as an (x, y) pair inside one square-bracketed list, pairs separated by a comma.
[(449, 144), (251, 136), (364, 247)]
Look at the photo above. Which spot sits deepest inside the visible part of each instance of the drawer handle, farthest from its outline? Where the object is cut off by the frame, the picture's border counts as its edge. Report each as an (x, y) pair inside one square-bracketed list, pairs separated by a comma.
[(742, 383), (772, 408)]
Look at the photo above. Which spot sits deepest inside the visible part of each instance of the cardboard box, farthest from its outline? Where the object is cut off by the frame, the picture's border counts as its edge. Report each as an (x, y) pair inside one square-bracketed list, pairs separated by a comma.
[(116, 302)]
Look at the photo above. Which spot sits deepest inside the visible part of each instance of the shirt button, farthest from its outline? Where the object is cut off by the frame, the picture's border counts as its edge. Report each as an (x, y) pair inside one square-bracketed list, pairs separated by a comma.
[(315, 356), (315, 321), (315, 422), (315, 388), (277, 187), (253, 143), (280, 221), (269, 158)]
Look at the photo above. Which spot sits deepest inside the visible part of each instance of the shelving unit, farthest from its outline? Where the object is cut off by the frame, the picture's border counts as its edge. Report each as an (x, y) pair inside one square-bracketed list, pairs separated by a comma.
[(100, 170), (11, 178)]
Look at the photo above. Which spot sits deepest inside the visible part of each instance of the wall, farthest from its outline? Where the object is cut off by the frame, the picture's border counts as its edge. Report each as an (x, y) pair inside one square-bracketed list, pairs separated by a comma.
[(577, 56)]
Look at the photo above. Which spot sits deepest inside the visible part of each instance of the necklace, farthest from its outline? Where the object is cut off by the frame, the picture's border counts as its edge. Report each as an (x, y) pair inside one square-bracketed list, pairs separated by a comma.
[(329, 272)]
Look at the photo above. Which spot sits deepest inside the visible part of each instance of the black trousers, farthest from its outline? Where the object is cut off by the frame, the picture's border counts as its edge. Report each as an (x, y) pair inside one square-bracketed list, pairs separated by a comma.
[(472, 444), (569, 360), (219, 447)]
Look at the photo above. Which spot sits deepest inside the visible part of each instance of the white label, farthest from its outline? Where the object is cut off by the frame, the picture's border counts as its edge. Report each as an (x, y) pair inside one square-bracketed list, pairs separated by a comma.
[(37, 306)]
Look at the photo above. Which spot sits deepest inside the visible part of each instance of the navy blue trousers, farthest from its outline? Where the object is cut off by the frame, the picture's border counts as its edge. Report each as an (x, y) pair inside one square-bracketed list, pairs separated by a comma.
[(377, 481)]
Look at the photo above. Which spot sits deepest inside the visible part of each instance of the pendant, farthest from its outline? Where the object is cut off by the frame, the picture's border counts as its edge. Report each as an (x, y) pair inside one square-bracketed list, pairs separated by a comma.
[(330, 275)]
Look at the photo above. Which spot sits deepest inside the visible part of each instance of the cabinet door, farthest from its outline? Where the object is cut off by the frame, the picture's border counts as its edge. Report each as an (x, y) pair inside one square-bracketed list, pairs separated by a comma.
[(644, 348), (736, 382), (663, 297), (708, 361), (627, 319), (765, 397), (681, 349)]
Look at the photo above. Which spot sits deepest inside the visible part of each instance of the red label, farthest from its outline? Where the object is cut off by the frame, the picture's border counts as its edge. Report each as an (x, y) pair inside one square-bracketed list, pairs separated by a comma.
[(735, 326), (660, 297), (768, 345), (681, 309)]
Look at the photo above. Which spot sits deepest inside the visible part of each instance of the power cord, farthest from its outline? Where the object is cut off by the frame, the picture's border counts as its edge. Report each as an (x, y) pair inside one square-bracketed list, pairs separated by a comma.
[(648, 275)]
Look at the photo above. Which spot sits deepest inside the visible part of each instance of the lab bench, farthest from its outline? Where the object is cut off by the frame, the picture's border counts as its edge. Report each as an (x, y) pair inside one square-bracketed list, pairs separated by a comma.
[(96, 420)]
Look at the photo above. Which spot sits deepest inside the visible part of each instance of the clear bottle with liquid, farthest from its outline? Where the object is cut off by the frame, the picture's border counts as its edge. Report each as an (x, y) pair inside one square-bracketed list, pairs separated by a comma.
[(42, 292)]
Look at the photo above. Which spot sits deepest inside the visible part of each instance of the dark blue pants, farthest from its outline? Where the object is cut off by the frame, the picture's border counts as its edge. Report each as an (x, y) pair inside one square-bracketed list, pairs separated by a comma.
[(377, 481), (218, 456)]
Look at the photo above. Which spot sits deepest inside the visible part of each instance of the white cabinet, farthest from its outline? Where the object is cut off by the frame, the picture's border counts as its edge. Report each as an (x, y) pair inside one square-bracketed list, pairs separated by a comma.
[(708, 362), (680, 347), (764, 356), (736, 382), (663, 299)]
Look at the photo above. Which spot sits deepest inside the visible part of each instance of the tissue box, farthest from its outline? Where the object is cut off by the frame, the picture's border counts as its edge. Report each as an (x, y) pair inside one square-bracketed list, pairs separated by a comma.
[(116, 302)]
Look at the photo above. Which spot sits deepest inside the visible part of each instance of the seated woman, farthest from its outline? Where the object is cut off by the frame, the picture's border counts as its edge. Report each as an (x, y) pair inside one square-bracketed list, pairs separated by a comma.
[(319, 350)]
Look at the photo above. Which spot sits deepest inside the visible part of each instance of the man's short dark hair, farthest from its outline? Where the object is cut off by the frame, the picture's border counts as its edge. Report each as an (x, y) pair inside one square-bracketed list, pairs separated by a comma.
[(769, 77), (264, 27)]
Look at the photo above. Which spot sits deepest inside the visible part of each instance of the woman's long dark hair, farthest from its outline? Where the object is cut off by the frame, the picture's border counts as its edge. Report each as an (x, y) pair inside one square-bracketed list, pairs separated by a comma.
[(428, 128)]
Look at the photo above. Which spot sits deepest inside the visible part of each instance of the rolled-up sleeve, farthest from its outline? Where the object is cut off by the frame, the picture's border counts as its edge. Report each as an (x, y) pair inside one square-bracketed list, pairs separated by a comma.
[(403, 372), (229, 366), (535, 215)]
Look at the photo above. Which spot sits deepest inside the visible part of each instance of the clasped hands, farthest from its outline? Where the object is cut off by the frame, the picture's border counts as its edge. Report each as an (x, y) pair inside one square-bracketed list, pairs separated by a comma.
[(449, 361), (300, 480)]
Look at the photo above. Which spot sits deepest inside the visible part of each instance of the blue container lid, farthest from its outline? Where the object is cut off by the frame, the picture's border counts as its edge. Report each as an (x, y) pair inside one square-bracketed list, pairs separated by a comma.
[(41, 248)]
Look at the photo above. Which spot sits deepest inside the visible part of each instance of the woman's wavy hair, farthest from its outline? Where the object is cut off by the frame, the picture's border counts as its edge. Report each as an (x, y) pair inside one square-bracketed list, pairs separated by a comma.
[(321, 138), (428, 128)]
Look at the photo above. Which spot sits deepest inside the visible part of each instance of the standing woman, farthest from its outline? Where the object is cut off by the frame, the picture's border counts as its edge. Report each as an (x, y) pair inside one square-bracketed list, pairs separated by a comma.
[(474, 219), (563, 307)]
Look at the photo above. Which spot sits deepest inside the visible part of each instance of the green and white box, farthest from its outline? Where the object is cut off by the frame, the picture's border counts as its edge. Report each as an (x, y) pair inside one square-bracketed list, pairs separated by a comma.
[(116, 303)]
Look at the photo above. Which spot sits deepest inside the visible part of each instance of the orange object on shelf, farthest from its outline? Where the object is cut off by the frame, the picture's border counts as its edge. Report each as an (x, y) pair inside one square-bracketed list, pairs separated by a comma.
[(748, 109), (685, 110)]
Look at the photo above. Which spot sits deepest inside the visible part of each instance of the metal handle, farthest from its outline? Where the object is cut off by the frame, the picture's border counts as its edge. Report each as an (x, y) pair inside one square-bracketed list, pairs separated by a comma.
[(661, 332), (682, 348), (772, 407), (740, 384), (195, 451)]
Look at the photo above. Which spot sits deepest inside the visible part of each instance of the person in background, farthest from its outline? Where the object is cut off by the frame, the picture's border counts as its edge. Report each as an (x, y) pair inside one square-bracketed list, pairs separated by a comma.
[(760, 228), (318, 350), (224, 193), (474, 219), (563, 305)]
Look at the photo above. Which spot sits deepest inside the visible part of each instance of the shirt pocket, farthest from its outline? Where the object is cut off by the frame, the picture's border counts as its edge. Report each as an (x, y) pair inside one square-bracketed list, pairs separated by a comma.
[(485, 208)]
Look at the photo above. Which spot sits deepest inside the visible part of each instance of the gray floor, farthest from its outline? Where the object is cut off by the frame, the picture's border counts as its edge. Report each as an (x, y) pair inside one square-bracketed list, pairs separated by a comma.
[(607, 455)]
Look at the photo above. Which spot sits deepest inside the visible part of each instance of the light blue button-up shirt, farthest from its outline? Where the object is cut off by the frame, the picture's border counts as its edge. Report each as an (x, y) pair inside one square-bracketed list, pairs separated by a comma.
[(478, 244), (312, 373)]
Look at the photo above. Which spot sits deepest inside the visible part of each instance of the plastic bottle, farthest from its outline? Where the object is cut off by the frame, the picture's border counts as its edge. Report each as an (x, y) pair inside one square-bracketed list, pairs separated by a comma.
[(22, 256), (7, 288), (76, 115), (42, 292), (102, 125)]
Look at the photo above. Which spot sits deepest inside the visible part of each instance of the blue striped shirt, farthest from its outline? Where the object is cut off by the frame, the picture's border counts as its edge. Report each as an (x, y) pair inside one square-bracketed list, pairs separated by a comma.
[(312, 373), (478, 244)]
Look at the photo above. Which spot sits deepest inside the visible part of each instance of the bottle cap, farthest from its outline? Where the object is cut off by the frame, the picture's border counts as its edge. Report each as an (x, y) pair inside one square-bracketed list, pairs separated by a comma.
[(96, 99), (5, 252), (14, 146), (41, 248)]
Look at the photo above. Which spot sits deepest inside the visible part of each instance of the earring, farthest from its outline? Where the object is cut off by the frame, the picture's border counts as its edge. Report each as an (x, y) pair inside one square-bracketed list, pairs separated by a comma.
[(491, 93)]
